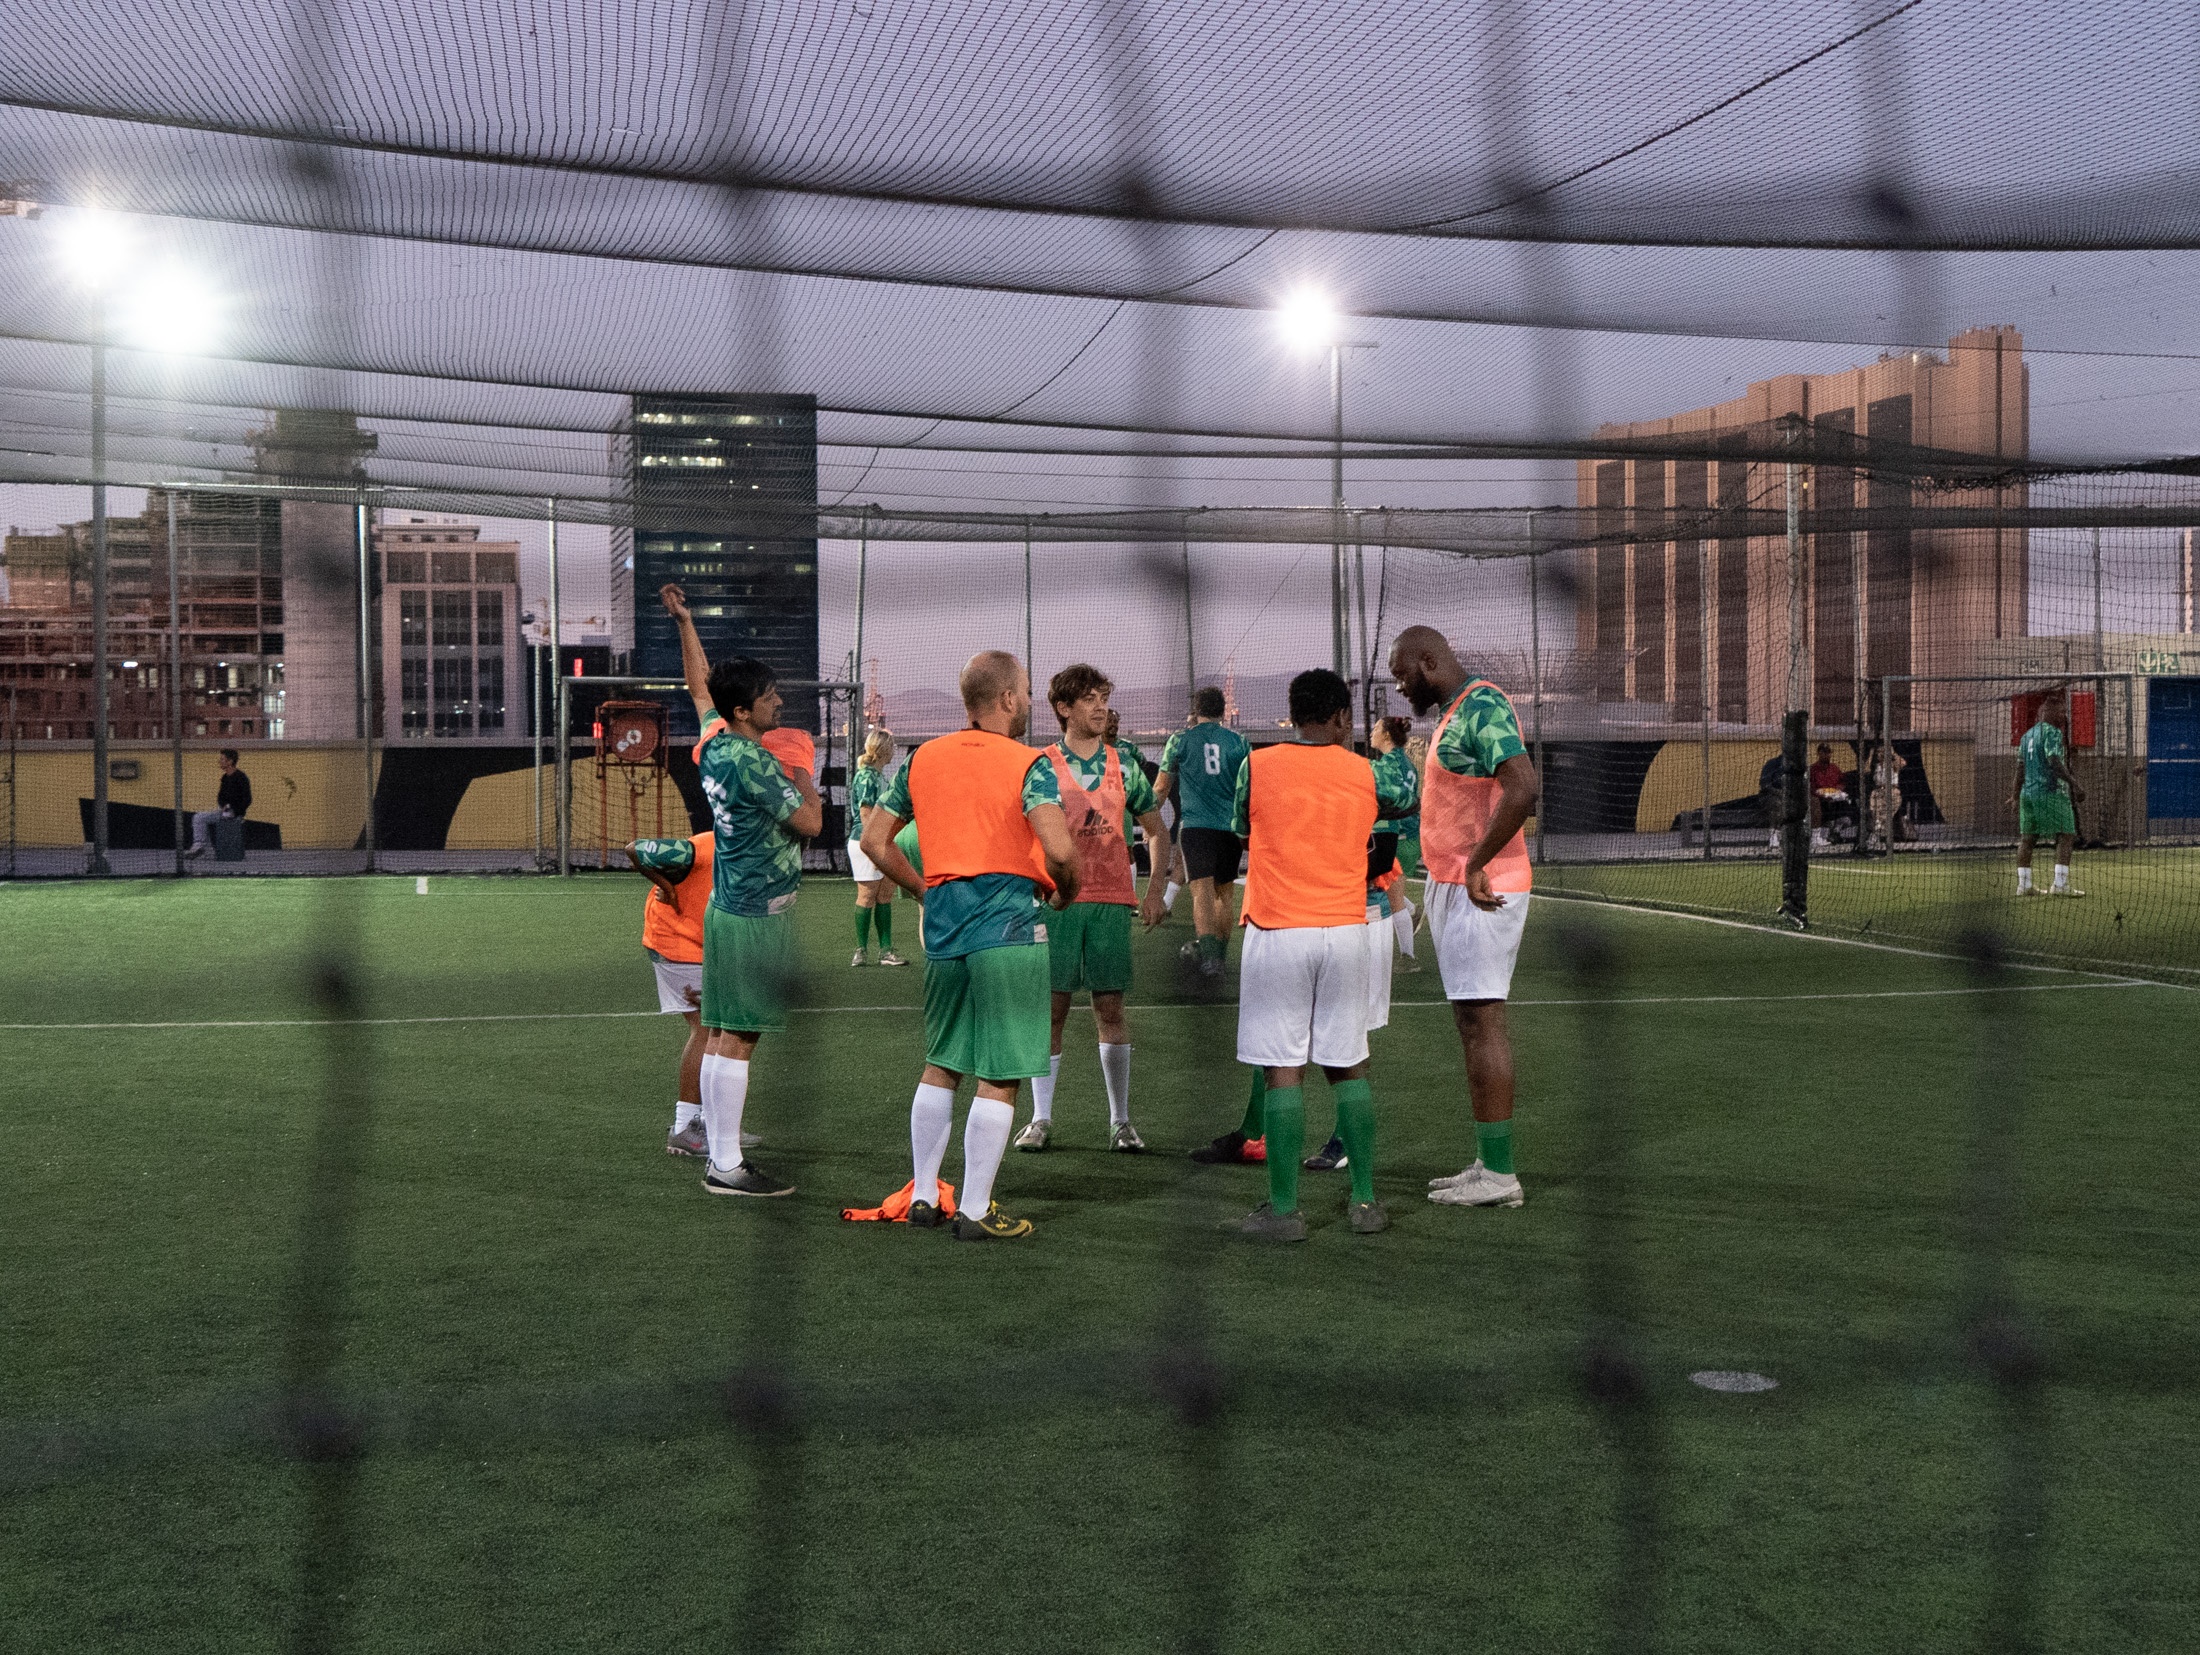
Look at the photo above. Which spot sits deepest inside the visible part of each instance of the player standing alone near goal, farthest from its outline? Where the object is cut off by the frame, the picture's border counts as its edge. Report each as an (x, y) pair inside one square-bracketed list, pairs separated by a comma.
[(1306, 809), (874, 891), (1199, 767), (1476, 794), (1089, 941), (2045, 791), (760, 814), (988, 814)]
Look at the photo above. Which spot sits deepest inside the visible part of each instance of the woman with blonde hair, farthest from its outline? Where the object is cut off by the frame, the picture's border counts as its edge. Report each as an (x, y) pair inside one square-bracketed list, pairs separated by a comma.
[(874, 891)]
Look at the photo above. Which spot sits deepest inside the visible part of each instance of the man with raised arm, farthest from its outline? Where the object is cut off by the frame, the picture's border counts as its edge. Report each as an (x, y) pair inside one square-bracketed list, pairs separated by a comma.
[(760, 814), (996, 845), (1476, 795), (1199, 768), (1089, 941)]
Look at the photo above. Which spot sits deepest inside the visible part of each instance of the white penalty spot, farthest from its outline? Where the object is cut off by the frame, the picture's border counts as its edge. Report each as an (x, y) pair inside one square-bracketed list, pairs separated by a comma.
[(420, 886), (1727, 1379)]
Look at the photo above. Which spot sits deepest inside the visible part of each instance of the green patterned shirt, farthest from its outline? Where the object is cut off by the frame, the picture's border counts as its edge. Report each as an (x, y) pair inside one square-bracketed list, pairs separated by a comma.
[(866, 786), (2042, 745), (758, 862), (992, 910), (675, 857), (1394, 771), (1483, 734), (1205, 759)]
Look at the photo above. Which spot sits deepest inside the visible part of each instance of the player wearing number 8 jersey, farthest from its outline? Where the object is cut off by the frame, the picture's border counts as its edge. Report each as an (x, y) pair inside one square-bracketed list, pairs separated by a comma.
[(1199, 767), (1476, 796)]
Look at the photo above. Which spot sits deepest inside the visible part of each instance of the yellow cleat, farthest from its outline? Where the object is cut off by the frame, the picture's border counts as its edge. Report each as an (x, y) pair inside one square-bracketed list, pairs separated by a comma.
[(994, 1226)]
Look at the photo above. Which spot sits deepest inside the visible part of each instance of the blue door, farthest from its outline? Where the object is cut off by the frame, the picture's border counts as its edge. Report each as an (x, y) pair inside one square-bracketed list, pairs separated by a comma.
[(2173, 747)]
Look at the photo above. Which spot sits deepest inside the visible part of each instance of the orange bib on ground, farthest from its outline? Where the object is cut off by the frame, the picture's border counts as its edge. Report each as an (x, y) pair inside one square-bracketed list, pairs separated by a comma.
[(895, 1208), (966, 792), (1096, 829), (1309, 811), (1456, 812), (675, 929)]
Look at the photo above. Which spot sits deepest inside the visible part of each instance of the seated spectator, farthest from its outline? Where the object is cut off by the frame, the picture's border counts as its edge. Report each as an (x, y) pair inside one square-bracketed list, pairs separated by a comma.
[(1827, 786), (232, 798)]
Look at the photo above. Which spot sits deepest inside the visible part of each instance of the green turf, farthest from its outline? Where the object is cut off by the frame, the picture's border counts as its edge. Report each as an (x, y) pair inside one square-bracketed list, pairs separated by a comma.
[(542, 1305)]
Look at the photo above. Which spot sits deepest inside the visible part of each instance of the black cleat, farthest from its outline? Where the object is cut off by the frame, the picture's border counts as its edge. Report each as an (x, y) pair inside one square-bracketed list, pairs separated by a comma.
[(746, 1179), (1328, 1158), (1264, 1223), (924, 1216), (1233, 1149)]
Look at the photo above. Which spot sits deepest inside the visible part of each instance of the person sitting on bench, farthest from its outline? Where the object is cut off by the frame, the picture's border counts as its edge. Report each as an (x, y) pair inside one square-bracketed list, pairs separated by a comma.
[(233, 798)]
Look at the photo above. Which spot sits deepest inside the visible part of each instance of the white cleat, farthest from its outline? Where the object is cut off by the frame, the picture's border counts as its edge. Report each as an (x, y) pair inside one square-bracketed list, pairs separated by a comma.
[(861, 958), (1034, 1137), (2064, 890), (1456, 1178), (1483, 1188)]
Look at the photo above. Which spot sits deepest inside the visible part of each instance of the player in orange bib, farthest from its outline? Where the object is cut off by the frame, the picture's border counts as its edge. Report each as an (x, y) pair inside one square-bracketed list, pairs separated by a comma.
[(679, 870), (1476, 797), (1306, 809), (1089, 942)]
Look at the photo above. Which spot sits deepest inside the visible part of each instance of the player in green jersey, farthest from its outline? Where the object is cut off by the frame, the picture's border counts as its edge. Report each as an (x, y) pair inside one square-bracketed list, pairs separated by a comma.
[(760, 815), (1393, 758), (2045, 793), (1089, 942), (1199, 769), (874, 891)]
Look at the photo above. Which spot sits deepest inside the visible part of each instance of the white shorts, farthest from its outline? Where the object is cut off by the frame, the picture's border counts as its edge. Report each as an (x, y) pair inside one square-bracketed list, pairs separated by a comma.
[(864, 869), (674, 979), (1475, 949), (1381, 944), (1303, 996)]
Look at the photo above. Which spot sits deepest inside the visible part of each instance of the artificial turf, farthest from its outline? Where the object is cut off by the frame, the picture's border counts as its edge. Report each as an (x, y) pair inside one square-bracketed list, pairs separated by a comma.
[(541, 1308)]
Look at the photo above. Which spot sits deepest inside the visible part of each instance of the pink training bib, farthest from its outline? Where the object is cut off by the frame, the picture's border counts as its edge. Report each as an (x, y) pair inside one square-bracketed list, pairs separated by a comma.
[(1096, 829)]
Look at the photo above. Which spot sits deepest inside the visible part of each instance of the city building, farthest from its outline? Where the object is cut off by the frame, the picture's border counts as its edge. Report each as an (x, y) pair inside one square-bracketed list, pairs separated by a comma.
[(707, 473), (227, 642), (1695, 631), (452, 662), (319, 543)]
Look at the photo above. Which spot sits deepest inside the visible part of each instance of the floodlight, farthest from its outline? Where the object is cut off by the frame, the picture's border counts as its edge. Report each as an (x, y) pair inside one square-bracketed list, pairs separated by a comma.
[(94, 245), (172, 312), (1308, 321)]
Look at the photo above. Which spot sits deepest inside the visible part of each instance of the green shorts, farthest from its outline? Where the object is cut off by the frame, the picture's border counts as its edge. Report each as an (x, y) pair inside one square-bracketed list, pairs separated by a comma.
[(1409, 855), (748, 970), (986, 1014), (1089, 946), (2045, 815)]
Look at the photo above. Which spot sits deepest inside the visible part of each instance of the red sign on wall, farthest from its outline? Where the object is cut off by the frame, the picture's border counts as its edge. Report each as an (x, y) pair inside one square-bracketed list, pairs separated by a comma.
[(2024, 712)]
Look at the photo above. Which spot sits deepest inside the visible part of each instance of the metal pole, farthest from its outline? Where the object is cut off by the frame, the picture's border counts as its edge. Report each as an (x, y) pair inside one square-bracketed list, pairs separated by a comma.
[(175, 676), (564, 756), (863, 582), (1703, 679), (1339, 640), (1795, 728), (2100, 652), (2184, 587), (1535, 672), (534, 735), (366, 669), (1191, 654), (2134, 778), (1031, 663), (98, 864), (1367, 656)]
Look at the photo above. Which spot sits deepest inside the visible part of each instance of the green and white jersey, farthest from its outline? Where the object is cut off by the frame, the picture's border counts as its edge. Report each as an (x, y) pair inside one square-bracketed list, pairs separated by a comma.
[(1205, 758), (757, 862), (866, 786), (1394, 770), (675, 857), (2042, 745), (993, 910), (1482, 735), (1137, 790)]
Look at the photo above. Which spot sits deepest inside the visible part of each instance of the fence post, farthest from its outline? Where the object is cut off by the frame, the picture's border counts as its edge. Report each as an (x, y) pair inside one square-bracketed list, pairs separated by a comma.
[(1535, 678), (1795, 727), (562, 760), (1031, 663), (366, 669), (1191, 650), (856, 730), (97, 863), (1703, 679), (175, 679)]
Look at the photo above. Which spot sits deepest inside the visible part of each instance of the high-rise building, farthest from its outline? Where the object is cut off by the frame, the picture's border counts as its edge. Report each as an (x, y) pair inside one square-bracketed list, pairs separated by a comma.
[(722, 491), (321, 570), (452, 665), (1701, 626)]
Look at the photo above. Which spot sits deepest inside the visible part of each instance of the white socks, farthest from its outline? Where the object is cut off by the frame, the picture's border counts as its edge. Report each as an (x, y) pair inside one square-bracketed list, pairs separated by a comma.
[(725, 1090), (683, 1115), (2024, 880), (1115, 1069), (2062, 876), (985, 1138), (1401, 922), (1168, 895), (931, 1124), (1042, 1089)]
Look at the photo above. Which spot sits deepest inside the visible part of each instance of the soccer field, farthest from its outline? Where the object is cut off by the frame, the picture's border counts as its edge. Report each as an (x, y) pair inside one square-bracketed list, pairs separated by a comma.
[(540, 1310)]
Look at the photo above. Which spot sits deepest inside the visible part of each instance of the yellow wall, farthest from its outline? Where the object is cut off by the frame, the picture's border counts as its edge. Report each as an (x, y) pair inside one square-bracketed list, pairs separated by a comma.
[(1675, 781), (316, 794)]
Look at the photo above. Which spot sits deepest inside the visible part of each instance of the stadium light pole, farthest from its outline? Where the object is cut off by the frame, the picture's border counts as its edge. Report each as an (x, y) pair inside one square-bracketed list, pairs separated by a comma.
[(1311, 323)]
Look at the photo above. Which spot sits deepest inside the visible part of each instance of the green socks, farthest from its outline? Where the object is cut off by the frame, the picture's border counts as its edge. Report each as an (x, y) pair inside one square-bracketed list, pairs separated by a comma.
[(883, 917), (1495, 1140), (1284, 1114), (1256, 1118), (1213, 948), (863, 927), (1356, 1126)]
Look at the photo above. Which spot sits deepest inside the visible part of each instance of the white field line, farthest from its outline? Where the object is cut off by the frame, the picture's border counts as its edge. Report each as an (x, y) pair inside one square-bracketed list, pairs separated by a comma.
[(1876, 947), (830, 1011)]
